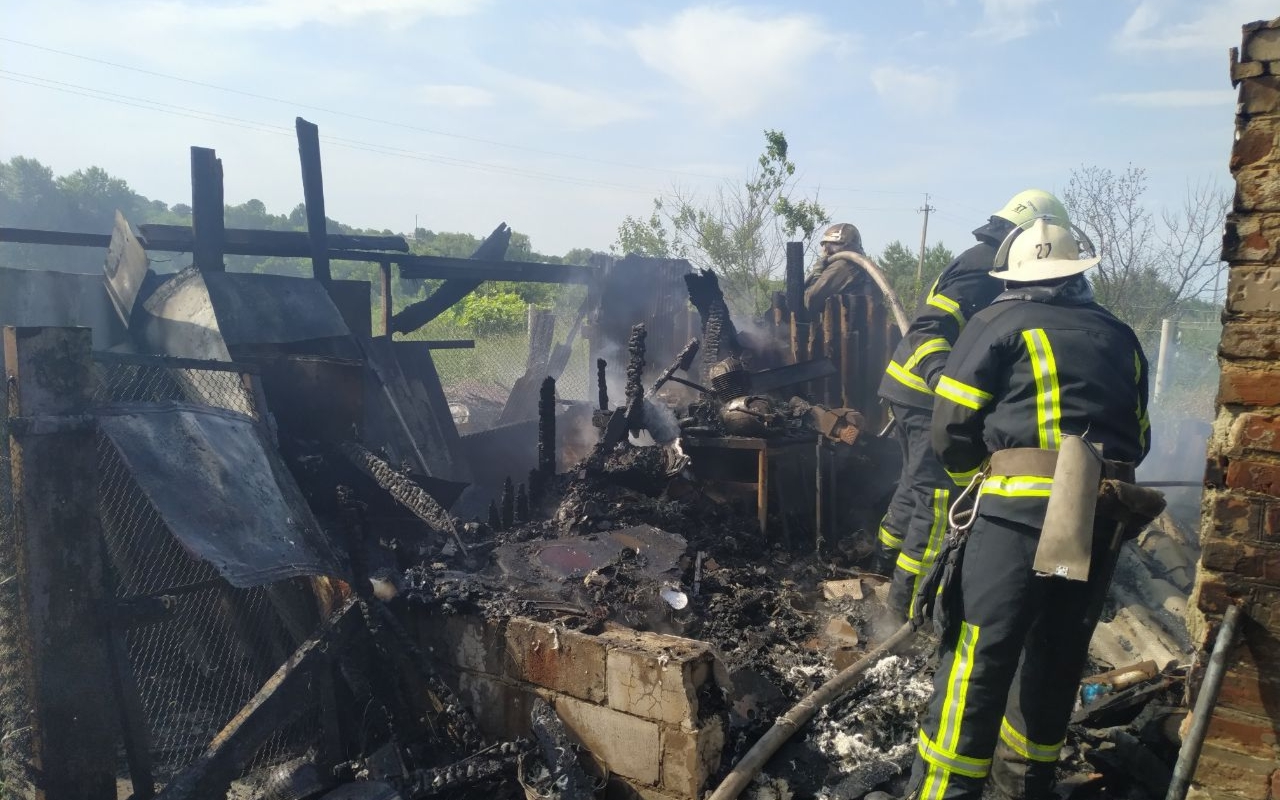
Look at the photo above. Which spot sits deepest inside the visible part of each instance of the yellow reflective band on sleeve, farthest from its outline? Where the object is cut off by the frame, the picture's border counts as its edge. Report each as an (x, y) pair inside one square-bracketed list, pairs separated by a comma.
[(963, 478), (944, 303), (952, 761), (1017, 486), (888, 539), (1048, 401), (928, 348), (963, 394), (1044, 753), (899, 374)]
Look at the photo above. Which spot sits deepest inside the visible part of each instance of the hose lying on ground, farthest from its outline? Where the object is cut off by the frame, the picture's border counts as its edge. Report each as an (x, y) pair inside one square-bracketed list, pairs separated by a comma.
[(745, 770)]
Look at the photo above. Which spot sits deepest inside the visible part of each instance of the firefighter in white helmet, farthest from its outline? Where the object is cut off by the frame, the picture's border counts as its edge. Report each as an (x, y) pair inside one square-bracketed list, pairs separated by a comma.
[(1041, 363), (912, 531)]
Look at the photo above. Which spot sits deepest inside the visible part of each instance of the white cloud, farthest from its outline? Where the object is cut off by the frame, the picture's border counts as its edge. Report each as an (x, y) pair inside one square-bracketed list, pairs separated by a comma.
[(1170, 98), (454, 95), (289, 14), (574, 108), (1179, 25), (920, 92), (1006, 20), (733, 60)]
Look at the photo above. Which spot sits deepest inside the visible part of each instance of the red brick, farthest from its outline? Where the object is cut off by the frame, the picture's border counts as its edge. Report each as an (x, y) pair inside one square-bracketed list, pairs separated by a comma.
[(1223, 769), (1234, 516), (1215, 591), (1254, 476), (1251, 338), (1255, 431), (1250, 734), (1248, 386), (1245, 689), (1275, 786), (1259, 562), (1256, 143)]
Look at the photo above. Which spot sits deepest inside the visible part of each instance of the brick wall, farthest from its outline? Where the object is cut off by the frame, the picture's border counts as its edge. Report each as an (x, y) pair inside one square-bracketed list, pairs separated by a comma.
[(647, 707), (1240, 534)]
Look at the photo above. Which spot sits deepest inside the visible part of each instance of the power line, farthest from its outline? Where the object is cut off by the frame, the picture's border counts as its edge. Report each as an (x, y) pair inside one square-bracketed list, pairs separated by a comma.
[(263, 127), (410, 127)]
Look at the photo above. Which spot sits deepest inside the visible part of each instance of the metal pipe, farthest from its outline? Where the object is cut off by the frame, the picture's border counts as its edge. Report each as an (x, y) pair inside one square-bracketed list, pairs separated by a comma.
[(787, 725), (1189, 753), (1167, 329)]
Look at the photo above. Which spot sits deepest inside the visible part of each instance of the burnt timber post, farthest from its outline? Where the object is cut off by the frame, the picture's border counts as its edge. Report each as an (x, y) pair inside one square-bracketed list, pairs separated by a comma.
[(313, 197), (55, 557), (795, 280), (208, 225)]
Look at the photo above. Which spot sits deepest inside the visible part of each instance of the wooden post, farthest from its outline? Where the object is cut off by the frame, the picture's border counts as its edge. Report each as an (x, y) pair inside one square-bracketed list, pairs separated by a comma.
[(795, 279), (313, 196), (385, 268), (208, 225), (817, 346), (55, 558), (848, 356), (799, 340), (831, 339)]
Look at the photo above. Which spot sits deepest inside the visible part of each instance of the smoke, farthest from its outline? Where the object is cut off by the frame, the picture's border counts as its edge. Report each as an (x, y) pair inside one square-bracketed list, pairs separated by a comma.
[(661, 422)]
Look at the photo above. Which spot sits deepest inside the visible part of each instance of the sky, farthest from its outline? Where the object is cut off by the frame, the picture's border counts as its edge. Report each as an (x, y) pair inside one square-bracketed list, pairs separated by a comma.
[(561, 117)]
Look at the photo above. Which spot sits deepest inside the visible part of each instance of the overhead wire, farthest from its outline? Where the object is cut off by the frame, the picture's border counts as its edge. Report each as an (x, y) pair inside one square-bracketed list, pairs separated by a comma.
[(419, 128)]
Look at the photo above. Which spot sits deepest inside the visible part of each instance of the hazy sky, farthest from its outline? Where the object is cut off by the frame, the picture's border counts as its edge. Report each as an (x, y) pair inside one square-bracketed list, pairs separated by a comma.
[(562, 116)]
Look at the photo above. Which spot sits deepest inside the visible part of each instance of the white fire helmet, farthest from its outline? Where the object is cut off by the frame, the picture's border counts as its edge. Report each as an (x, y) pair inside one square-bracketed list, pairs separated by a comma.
[(1043, 249)]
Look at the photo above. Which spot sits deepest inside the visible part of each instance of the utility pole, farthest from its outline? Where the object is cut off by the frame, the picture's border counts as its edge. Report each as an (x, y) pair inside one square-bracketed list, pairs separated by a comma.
[(924, 234)]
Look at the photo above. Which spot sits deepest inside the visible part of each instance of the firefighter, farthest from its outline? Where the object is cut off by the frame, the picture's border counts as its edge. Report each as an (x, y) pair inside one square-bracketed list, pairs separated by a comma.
[(1042, 362), (832, 276), (912, 531)]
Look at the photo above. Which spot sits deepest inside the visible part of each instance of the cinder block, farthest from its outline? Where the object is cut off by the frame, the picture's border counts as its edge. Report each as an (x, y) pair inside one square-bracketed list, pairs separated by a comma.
[(657, 677), (1223, 770), (557, 659), (1255, 147), (626, 745), (690, 757), (467, 642), (1260, 96), (1247, 69), (501, 709)]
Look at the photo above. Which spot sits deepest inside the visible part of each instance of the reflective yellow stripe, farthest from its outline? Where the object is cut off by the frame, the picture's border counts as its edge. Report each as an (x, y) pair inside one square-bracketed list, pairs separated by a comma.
[(941, 301), (888, 539), (963, 478), (936, 779), (928, 348), (1047, 753), (938, 531), (902, 376), (1017, 486), (952, 761), (1144, 421), (1048, 402), (909, 564), (963, 394)]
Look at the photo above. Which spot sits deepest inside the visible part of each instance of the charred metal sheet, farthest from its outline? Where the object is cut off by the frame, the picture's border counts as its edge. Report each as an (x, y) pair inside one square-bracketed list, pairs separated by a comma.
[(222, 491), (512, 450), (126, 269), (196, 315), (781, 377), (314, 397), (419, 369), (352, 301), (399, 416), (35, 298)]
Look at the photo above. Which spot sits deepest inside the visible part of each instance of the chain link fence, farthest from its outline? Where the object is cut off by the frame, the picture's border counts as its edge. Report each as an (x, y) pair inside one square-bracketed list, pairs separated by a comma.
[(198, 648), (477, 381)]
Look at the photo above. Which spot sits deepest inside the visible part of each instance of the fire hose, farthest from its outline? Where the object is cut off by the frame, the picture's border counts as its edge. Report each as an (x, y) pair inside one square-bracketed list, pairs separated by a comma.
[(877, 275), (745, 770)]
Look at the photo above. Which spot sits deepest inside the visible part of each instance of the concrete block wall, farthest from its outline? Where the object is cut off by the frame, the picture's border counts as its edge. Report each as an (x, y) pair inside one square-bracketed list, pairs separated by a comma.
[(648, 707), (1240, 534)]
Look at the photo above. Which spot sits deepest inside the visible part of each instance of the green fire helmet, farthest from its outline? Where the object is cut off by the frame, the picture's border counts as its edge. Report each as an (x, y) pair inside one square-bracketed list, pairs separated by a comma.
[(1031, 203), (845, 235)]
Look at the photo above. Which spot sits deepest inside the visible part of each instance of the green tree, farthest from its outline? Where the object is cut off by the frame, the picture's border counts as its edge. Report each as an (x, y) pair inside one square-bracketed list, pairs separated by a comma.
[(900, 263), (739, 230)]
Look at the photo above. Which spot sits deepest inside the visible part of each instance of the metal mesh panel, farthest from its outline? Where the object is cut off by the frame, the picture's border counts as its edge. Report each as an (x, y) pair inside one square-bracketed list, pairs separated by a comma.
[(200, 648)]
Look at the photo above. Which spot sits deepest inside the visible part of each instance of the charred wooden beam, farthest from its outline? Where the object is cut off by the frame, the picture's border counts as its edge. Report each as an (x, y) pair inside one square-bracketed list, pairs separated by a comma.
[(435, 267), (493, 248), (284, 696), (208, 228), (313, 196), (795, 280), (250, 242)]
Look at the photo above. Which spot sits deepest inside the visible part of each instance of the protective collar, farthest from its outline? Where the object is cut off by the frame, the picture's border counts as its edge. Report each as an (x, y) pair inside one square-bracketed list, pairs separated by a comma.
[(1074, 291)]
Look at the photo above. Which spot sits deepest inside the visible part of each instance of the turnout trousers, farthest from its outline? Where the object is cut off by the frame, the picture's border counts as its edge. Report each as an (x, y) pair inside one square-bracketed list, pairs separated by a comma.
[(1009, 669), (914, 528)]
